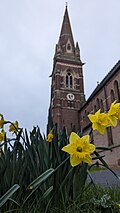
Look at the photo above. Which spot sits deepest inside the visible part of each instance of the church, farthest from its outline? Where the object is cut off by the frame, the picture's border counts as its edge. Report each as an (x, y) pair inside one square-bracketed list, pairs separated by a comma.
[(68, 106)]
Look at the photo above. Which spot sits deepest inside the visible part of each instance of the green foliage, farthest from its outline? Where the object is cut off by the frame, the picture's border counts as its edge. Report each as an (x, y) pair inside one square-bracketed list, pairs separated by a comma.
[(29, 160), (46, 179), (88, 203), (8, 194)]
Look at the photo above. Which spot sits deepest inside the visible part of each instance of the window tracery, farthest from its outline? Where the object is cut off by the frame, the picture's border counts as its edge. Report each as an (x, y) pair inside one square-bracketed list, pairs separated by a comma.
[(69, 80)]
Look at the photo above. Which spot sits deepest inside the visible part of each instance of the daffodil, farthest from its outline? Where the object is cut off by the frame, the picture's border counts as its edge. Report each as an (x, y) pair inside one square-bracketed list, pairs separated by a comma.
[(118, 207), (79, 149), (13, 127), (114, 113), (50, 137), (2, 121), (99, 121), (2, 135)]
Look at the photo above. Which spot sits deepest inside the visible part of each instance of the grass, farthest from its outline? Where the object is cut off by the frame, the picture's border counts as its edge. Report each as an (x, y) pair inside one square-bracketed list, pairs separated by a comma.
[(99, 200), (97, 168), (103, 200)]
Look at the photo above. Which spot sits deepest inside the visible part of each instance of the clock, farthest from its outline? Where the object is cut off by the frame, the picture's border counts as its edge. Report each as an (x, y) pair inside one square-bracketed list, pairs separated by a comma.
[(70, 96)]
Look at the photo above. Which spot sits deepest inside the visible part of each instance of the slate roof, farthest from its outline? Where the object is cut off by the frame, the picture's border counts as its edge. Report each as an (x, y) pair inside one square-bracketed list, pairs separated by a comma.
[(110, 74)]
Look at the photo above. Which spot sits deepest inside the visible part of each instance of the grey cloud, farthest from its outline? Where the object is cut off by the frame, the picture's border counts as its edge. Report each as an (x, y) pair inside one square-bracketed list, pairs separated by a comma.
[(29, 31)]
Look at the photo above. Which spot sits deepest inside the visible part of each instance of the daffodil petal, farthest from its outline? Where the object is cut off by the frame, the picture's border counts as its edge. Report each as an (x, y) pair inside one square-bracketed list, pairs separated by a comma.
[(113, 120), (73, 137), (85, 138), (92, 117), (69, 149), (92, 148), (99, 128), (74, 160), (88, 159)]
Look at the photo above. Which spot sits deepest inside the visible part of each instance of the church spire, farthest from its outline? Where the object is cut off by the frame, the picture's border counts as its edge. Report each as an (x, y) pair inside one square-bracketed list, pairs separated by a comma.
[(67, 88), (66, 48), (66, 32)]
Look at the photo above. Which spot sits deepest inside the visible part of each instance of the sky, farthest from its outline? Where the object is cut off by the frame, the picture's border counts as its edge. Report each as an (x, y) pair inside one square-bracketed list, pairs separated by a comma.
[(29, 31)]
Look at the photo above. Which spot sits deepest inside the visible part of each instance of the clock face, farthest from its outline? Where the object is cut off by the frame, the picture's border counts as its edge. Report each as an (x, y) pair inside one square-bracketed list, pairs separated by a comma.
[(70, 96)]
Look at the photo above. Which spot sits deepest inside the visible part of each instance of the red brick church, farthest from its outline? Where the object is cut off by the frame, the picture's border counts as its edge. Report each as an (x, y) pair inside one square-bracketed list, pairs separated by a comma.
[(68, 106)]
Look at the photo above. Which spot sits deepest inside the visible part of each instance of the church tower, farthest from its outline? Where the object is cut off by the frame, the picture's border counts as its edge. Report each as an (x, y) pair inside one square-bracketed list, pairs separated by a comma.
[(67, 89)]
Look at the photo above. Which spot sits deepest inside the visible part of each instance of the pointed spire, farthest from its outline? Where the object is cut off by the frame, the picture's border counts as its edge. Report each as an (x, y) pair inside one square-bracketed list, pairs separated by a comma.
[(66, 32), (77, 46), (77, 50), (65, 48)]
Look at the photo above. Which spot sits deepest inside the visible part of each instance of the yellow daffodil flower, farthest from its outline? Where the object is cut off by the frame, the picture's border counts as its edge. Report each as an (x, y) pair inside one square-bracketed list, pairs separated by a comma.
[(114, 113), (99, 121), (1, 121), (2, 135), (118, 207), (50, 137), (13, 127), (79, 149)]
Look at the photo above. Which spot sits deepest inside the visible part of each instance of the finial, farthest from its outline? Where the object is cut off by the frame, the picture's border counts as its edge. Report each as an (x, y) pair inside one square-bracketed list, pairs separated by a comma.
[(66, 4)]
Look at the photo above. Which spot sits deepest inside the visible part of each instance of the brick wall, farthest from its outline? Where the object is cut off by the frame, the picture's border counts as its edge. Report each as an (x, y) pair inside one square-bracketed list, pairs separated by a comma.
[(104, 95)]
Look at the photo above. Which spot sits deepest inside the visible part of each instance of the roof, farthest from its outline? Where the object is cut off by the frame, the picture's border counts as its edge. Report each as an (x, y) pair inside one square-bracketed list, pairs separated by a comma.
[(66, 31), (110, 74)]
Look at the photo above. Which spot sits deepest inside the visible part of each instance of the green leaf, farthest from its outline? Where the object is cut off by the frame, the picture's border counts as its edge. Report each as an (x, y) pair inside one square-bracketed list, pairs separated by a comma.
[(47, 192), (79, 179), (39, 180), (8, 194)]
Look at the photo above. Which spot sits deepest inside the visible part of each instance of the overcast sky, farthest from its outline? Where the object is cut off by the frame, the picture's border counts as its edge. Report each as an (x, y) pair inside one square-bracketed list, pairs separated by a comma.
[(29, 31)]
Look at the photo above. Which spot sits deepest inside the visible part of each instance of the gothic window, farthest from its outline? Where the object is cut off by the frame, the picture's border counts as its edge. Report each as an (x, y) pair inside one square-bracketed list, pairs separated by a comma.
[(112, 95), (69, 80), (116, 87), (109, 135), (101, 106), (68, 47), (95, 108), (98, 104), (66, 80)]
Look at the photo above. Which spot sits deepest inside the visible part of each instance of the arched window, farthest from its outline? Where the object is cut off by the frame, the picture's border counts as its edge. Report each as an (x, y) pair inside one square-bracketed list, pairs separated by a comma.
[(95, 108), (69, 80), (83, 119), (98, 104), (112, 95), (66, 80), (116, 87), (69, 46), (71, 83), (101, 105)]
